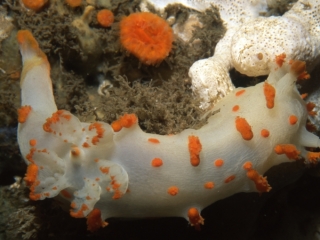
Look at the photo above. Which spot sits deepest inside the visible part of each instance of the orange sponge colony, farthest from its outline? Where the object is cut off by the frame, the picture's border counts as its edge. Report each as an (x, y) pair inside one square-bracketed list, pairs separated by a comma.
[(74, 3), (34, 5), (105, 18), (147, 36)]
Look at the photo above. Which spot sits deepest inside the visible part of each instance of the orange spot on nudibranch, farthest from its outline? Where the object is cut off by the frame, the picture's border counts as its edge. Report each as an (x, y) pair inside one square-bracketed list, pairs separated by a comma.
[(299, 68), (104, 169), (195, 147), (31, 175), (269, 93), (33, 142), (54, 119), (116, 126), (147, 36), (79, 214), (75, 151), (244, 128), (313, 157), (105, 18), (126, 121), (34, 5), (156, 162), (99, 132), (65, 193), (235, 108), (218, 162), (153, 140), (173, 190), (85, 145), (304, 95), (280, 59), (94, 221), (288, 149), (23, 113), (310, 106), (264, 133), (195, 218), (240, 92), (247, 165), (209, 185), (293, 119), (230, 178), (260, 181)]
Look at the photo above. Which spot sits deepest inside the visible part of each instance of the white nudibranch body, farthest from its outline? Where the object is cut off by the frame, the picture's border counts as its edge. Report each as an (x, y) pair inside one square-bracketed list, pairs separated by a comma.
[(118, 170)]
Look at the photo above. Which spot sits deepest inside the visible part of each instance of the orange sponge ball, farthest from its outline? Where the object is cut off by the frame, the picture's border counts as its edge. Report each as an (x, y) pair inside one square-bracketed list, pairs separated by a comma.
[(147, 36), (74, 3), (34, 5), (105, 18)]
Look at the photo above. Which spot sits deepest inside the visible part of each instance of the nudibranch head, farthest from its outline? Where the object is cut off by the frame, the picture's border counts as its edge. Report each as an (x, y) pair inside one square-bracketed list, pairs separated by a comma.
[(105, 18), (147, 36)]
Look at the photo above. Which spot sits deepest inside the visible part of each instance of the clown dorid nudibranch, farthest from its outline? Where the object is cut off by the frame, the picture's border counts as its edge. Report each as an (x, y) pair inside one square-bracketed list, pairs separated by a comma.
[(118, 170)]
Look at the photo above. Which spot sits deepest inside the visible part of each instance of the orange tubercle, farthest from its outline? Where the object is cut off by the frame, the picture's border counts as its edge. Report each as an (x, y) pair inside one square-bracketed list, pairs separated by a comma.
[(240, 92), (195, 218), (293, 119), (146, 36), (247, 165), (66, 194), (156, 162), (128, 120), (209, 185), (235, 108), (313, 157), (280, 59), (299, 68), (116, 126), (33, 142), (310, 106), (173, 190), (105, 18), (104, 169), (34, 5), (74, 3), (75, 151), (153, 140), (244, 128), (264, 133), (260, 181), (269, 93), (94, 221), (23, 113), (288, 149), (31, 175), (195, 148), (218, 162), (80, 213), (230, 178)]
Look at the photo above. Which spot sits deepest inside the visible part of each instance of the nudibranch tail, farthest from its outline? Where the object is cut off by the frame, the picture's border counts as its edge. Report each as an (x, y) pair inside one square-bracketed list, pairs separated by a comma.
[(35, 72)]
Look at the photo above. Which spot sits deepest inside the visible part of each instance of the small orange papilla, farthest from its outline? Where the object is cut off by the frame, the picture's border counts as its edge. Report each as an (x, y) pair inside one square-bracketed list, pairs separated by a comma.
[(105, 18), (146, 36)]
